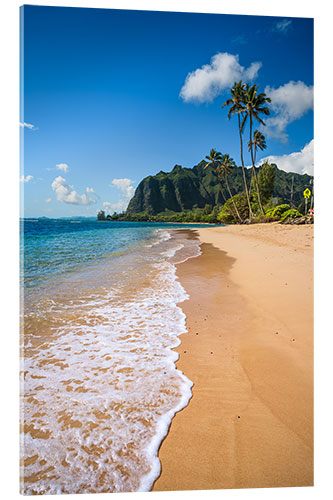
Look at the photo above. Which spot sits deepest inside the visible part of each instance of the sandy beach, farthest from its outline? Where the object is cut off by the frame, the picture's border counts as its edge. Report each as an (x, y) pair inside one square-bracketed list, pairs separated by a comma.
[(249, 352)]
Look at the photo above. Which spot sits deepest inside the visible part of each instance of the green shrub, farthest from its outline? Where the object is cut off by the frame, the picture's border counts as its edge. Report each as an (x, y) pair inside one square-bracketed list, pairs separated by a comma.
[(266, 179), (269, 204), (277, 211), (207, 218), (290, 214), (227, 213)]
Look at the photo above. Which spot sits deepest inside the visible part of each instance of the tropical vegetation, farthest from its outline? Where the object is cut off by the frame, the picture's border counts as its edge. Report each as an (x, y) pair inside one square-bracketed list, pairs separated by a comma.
[(292, 213), (217, 190), (277, 211)]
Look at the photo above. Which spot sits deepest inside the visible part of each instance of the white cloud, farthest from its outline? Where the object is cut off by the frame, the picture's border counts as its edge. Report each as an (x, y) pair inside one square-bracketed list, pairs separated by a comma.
[(27, 178), (300, 162), (282, 26), (90, 190), (118, 207), (127, 190), (48, 200), (67, 193), (30, 126), (125, 185), (207, 82), (289, 103), (62, 166)]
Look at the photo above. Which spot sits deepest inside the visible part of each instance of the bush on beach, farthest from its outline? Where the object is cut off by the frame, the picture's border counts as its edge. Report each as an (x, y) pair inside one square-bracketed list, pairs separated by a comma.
[(227, 213), (277, 211), (290, 214)]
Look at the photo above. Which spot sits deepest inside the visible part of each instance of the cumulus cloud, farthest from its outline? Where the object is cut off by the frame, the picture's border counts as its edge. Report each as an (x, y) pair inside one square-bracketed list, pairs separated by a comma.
[(27, 178), (300, 162), (67, 193), (48, 200), (90, 190), (62, 166), (289, 103), (125, 186), (282, 26), (127, 190), (29, 126), (118, 207), (207, 82)]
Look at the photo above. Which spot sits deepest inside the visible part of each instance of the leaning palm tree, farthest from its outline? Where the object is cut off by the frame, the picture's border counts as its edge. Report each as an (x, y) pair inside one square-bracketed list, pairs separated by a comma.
[(255, 106), (215, 158), (258, 142), (224, 168), (237, 106)]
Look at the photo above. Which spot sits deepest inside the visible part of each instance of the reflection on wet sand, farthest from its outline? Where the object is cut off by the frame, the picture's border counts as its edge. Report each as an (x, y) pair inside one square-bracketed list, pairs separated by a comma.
[(99, 380)]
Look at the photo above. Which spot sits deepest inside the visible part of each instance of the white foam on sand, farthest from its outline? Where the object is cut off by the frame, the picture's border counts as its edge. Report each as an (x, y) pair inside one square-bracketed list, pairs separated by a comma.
[(99, 398)]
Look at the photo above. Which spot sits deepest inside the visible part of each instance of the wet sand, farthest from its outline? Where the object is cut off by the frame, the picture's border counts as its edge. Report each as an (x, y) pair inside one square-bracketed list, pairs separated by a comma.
[(249, 352)]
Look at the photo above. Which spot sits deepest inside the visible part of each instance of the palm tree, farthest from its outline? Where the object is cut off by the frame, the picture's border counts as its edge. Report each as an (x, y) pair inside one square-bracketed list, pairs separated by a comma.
[(255, 106), (258, 142), (215, 158), (237, 106), (224, 168)]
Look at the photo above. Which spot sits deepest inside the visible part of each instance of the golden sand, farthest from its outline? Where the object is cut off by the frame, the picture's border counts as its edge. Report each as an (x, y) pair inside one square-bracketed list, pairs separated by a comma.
[(249, 352)]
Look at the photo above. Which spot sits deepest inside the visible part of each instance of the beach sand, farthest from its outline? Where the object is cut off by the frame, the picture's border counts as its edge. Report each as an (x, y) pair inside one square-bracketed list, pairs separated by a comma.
[(249, 352)]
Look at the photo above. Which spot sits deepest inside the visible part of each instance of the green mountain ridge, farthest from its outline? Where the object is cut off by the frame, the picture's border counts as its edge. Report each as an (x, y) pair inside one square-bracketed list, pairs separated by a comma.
[(185, 188)]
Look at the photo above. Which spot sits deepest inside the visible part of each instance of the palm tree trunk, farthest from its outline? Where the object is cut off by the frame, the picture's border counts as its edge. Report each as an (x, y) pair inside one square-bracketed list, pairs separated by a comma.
[(251, 182), (243, 169), (250, 189), (254, 168), (232, 199)]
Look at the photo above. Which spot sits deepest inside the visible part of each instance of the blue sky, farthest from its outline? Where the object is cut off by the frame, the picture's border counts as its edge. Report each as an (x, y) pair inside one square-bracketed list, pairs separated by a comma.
[(111, 96)]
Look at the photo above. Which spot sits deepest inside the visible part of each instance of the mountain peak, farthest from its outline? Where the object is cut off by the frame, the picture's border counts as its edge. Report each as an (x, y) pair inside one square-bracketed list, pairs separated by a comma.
[(183, 188)]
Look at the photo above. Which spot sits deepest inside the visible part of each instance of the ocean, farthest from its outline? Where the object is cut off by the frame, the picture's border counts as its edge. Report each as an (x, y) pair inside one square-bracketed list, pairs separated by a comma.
[(100, 316)]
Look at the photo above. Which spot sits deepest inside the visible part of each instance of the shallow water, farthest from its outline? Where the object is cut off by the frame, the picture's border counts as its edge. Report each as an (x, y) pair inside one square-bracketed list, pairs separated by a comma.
[(99, 382)]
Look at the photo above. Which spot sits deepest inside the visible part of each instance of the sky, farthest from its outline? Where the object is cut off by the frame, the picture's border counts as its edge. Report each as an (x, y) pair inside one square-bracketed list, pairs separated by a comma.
[(109, 97)]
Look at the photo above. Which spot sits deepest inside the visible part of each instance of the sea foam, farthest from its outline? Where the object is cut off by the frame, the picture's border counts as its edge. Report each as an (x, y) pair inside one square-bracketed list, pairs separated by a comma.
[(101, 386)]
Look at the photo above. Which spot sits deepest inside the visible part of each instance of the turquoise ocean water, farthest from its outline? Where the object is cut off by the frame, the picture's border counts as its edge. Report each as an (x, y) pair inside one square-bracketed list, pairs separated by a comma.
[(100, 316)]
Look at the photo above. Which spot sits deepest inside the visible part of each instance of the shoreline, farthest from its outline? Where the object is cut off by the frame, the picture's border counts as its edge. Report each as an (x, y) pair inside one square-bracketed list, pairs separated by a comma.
[(249, 352)]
